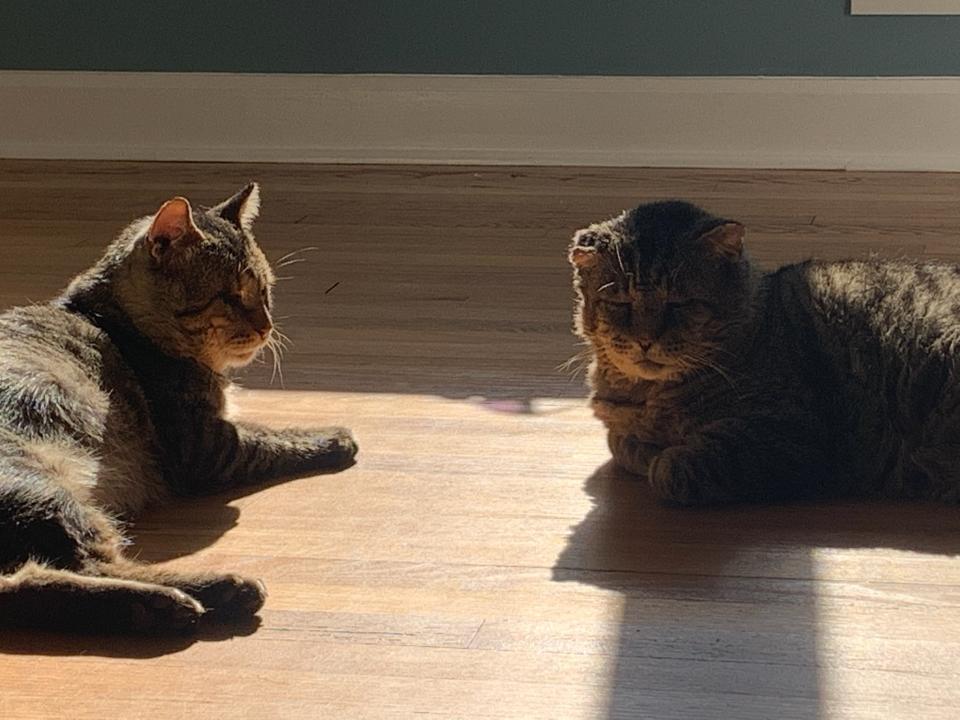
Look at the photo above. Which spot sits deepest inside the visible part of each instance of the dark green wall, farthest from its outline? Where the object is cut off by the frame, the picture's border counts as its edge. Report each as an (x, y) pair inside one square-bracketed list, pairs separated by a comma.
[(579, 37)]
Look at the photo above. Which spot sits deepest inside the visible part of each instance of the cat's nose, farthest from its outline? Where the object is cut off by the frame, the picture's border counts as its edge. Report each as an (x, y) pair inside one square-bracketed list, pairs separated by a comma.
[(263, 327), (645, 346)]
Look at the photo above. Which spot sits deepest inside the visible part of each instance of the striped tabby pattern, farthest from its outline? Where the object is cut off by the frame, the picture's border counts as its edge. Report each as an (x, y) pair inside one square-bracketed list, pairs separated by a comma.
[(720, 383), (112, 398)]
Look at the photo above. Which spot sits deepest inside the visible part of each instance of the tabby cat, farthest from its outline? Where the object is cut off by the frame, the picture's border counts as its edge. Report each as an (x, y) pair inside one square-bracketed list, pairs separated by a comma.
[(720, 383), (112, 398)]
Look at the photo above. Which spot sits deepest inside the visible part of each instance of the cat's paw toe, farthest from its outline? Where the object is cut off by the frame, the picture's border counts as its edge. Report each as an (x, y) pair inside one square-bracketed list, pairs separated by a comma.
[(165, 612), (230, 597), (250, 597), (672, 478), (337, 448)]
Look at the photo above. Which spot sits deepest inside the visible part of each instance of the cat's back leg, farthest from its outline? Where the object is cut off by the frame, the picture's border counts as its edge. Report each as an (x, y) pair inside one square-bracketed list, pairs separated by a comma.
[(64, 568), (226, 597), (44, 522), (49, 543), (39, 596)]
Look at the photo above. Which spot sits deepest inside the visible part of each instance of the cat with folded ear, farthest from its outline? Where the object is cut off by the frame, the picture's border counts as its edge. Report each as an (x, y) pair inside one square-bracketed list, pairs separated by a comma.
[(721, 383), (112, 399)]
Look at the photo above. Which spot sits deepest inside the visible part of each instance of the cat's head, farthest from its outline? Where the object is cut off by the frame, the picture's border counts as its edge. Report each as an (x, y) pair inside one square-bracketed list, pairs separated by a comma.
[(659, 288), (194, 281)]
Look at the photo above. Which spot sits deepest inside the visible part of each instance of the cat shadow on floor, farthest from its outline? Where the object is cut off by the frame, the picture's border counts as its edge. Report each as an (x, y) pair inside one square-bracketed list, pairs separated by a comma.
[(720, 605), (178, 529), (49, 643), (188, 525)]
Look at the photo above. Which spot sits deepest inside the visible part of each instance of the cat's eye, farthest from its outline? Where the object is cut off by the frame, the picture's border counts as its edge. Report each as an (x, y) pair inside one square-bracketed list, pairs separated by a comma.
[(619, 310), (228, 298), (196, 309), (231, 299)]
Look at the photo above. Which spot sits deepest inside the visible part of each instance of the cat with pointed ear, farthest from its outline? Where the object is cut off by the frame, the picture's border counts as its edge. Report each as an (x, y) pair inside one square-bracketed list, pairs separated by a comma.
[(726, 239), (172, 229), (122, 380), (589, 245), (721, 382), (241, 209)]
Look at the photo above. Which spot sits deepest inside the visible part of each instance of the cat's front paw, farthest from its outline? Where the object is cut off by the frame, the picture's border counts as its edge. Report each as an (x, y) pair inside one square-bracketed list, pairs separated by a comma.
[(673, 477), (228, 597), (154, 611), (334, 448), (631, 453)]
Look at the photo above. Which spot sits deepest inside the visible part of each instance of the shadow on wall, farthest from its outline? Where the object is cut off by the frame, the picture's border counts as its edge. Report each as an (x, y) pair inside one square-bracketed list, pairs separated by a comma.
[(722, 607)]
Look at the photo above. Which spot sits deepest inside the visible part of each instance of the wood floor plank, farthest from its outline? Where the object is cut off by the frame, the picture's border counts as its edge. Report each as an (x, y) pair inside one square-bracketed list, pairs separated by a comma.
[(483, 559)]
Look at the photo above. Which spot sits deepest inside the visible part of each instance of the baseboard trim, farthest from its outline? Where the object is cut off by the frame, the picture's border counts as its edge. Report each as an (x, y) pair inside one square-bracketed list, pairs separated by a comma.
[(761, 122)]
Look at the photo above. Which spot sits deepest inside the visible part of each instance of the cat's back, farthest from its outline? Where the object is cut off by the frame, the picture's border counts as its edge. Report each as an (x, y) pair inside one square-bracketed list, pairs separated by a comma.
[(903, 306), (884, 337), (51, 362), (67, 399)]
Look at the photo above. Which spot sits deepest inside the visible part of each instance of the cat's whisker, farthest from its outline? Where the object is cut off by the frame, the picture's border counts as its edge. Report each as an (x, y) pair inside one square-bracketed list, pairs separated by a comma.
[(292, 253), (715, 347), (280, 333), (275, 344), (277, 353), (281, 338), (291, 261), (705, 362), (620, 259), (576, 364)]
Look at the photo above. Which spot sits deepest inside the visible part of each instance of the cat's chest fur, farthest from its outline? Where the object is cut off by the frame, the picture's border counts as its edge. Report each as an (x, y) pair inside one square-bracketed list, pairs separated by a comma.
[(658, 413)]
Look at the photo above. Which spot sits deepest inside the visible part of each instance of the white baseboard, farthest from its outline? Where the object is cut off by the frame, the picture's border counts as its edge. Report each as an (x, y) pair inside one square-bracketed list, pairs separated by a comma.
[(855, 123), (905, 7)]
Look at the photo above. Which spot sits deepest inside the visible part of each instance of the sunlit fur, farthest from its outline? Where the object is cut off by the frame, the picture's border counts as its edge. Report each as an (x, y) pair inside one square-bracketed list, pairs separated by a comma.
[(655, 301), (112, 398), (719, 382), (211, 303)]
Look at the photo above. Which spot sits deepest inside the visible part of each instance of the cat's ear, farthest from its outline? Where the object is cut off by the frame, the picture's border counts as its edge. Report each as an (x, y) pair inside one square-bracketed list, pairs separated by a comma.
[(241, 209), (172, 229), (726, 239), (585, 248)]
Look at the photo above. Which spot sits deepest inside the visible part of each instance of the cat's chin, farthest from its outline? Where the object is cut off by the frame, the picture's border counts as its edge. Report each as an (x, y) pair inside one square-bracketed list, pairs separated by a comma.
[(645, 369), (648, 370), (228, 361), (242, 359)]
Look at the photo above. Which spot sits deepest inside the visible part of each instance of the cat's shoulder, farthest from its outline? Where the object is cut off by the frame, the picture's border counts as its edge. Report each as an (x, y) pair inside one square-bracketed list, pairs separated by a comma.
[(48, 322)]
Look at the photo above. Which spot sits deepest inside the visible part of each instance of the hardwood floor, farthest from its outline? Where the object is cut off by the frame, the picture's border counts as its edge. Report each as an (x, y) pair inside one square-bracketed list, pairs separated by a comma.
[(482, 560)]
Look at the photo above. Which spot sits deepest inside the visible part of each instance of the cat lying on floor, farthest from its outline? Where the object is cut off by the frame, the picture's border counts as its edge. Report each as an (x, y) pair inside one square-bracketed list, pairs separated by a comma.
[(112, 398), (720, 383)]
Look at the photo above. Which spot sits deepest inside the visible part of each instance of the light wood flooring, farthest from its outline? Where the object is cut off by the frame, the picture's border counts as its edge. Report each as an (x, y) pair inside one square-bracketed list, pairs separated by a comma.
[(482, 559)]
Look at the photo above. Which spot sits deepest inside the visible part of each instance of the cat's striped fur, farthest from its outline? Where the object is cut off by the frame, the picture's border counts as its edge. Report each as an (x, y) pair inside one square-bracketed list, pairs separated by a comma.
[(720, 383), (112, 398)]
